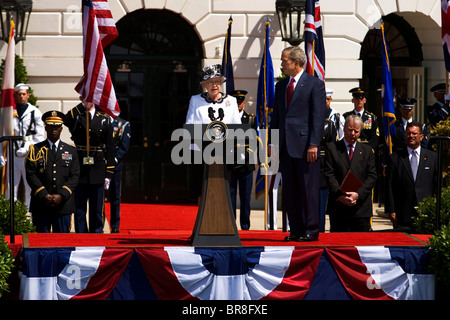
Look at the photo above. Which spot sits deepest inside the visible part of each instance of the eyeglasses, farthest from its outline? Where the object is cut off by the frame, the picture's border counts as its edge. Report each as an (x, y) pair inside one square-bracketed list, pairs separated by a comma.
[(214, 82)]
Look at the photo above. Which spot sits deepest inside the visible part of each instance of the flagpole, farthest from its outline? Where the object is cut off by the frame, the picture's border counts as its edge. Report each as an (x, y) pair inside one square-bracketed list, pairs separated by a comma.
[(446, 81), (266, 115)]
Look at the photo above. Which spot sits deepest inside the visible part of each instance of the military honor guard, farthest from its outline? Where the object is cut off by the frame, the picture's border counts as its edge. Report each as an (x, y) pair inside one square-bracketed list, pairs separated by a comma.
[(52, 171), (122, 136), (331, 114), (92, 134), (242, 174), (28, 124), (439, 110), (406, 108), (370, 132)]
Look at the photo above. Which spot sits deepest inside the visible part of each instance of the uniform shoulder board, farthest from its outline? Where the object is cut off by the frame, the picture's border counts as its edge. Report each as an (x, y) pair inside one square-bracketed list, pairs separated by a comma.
[(75, 112), (102, 113), (370, 114)]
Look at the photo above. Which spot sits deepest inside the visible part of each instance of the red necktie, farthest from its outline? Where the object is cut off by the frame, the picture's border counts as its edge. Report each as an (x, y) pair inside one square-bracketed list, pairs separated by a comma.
[(289, 92), (350, 152)]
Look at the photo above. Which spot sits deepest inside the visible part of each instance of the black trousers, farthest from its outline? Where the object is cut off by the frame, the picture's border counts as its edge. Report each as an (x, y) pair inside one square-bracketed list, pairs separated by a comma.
[(301, 182)]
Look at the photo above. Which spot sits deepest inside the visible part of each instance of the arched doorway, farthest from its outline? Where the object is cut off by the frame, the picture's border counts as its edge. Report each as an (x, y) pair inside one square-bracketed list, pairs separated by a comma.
[(408, 75), (155, 65), (405, 53)]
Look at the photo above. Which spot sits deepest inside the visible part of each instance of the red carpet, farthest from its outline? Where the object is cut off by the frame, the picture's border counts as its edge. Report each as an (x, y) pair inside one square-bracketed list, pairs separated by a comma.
[(171, 225), (135, 216), (248, 238)]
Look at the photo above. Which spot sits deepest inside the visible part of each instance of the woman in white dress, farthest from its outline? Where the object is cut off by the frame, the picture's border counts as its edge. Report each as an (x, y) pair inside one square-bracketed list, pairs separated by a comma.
[(212, 104), (206, 107)]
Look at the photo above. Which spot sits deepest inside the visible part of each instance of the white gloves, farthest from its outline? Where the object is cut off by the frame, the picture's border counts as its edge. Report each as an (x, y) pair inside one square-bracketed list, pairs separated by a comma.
[(107, 182), (22, 152)]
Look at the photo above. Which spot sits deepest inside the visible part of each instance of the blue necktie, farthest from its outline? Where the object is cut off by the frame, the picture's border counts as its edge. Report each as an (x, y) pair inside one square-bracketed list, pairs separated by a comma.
[(414, 163)]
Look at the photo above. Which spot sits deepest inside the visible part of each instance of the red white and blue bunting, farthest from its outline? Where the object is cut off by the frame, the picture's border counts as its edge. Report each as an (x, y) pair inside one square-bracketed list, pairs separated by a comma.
[(245, 273)]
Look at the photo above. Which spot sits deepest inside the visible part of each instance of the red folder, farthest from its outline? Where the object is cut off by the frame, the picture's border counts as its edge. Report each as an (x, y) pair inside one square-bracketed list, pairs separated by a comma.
[(351, 183)]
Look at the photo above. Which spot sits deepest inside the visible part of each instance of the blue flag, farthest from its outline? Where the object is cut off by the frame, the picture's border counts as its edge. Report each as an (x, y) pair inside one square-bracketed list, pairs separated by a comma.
[(264, 103), (227, 64), (387, 95)]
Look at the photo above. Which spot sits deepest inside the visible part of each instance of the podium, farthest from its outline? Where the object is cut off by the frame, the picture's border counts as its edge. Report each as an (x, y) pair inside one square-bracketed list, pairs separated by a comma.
[(215, 225)]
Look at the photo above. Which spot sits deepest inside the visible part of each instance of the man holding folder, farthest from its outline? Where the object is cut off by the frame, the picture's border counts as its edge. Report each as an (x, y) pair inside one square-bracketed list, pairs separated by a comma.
[(351, 174)]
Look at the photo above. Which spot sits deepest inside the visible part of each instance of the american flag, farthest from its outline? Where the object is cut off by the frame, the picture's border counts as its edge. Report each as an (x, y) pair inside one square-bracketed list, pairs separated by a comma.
[(446, 32), (315, 50), (8, 105), (99, 30)]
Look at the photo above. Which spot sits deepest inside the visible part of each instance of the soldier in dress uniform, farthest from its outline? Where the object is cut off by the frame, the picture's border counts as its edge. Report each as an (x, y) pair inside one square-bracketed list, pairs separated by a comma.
[(96, 156), (370, 133), (439, 110), (27, 123), (406, 110), (243, 173), (122, 136), (337, 119), (52, 171)]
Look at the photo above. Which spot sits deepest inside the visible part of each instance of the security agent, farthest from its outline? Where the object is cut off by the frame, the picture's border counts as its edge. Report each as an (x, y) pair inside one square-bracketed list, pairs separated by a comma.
[(96, 156), (439, 110), (369, 133), (52, 171), (242, 173)]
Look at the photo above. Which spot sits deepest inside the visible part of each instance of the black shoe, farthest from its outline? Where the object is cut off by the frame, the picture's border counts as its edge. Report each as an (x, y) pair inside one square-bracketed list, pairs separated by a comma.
[(309, 237), (115, 230), (292, 237)]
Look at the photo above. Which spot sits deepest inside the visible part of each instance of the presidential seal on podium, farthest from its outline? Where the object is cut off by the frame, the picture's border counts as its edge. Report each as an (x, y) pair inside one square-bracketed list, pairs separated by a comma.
[(216, 131)]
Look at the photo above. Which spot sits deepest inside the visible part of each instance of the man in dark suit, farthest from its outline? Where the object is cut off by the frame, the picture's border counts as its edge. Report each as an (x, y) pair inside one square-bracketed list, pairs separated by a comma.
[(350, 211), (52, 171), (92, 133), (242, 173), (406, 186), (299, 115)]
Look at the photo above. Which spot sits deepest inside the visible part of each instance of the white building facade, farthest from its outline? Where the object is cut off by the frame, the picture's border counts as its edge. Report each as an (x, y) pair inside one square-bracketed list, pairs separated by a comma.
[(53, 53)]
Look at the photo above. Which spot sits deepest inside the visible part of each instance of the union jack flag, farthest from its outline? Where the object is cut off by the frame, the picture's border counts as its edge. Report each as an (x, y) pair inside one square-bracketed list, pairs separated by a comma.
[(99, 30), (446, 32), (315, 50)]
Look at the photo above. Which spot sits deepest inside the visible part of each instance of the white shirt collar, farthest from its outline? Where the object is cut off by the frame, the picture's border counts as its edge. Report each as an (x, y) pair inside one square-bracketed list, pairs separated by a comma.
[(56, 143), (359, 112), (297, 77), (410, 150), (347, 144)]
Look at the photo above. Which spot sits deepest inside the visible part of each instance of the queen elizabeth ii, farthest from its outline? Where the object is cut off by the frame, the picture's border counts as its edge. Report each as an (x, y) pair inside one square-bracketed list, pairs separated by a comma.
[(212, 104)]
